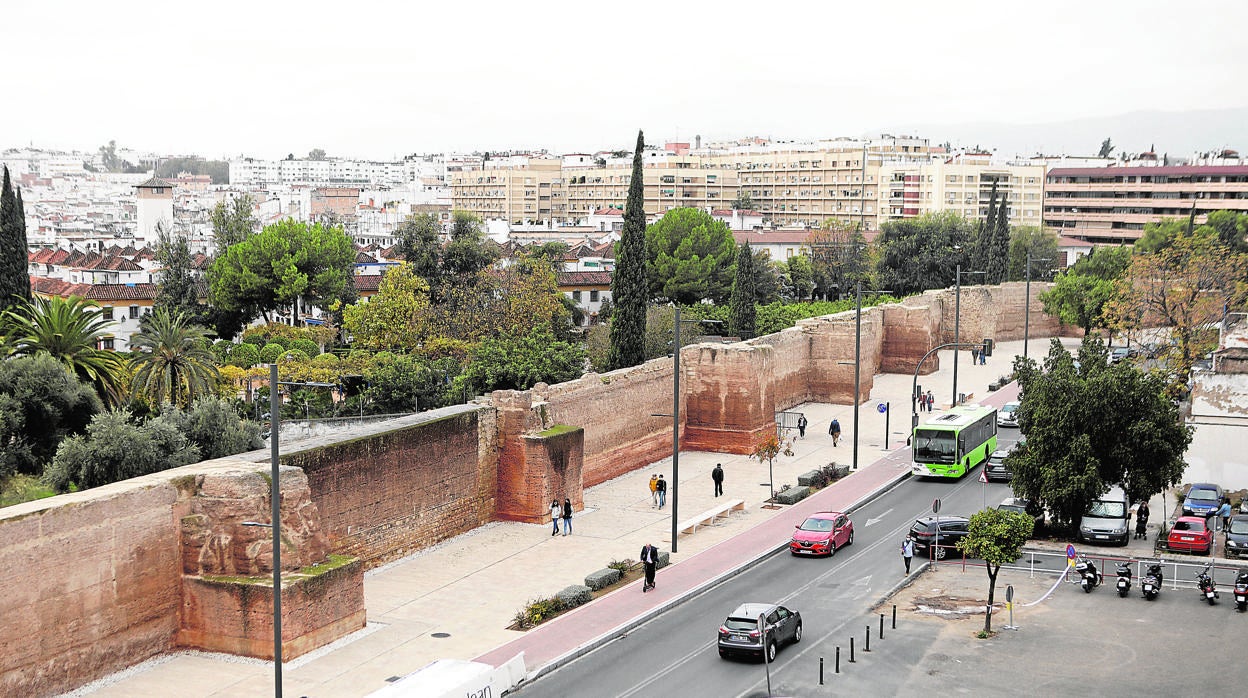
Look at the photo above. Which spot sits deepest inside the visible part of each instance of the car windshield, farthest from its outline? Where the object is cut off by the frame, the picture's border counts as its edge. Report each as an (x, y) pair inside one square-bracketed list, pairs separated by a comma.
[(817, 525), (1007, 409), (1239, 526), (1203, 495), (931, 446), (1108, 510), (1013, 508), (1197, 526)]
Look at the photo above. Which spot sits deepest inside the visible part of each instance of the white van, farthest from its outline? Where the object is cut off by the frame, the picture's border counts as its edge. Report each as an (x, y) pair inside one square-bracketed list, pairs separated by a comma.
[(1107, 519)]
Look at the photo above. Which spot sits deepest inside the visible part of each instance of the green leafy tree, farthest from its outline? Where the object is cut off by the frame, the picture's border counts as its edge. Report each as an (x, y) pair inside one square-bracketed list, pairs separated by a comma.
[(518, 362), (233, 222), (177, 291), (741, 319), (398, 316), (116, 448), (917, 254), (690, 257), (1092, 427), (69, 331), (316, 154), (213, 426), (468, 252), (286, 262), (1081, 293), (244, 355), (1042, 246), (171, 359), (840, 259), (1107, 148), (14, 278), (402, 384), (629, 286), (996, 537), (271, 352), (769, 277), (420, 245), (41, 402), (1159, 235), (799, 278), (1231, 228)]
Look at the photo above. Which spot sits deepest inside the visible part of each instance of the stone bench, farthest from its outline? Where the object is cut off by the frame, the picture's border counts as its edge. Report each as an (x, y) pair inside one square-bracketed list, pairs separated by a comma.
[(710, 515)]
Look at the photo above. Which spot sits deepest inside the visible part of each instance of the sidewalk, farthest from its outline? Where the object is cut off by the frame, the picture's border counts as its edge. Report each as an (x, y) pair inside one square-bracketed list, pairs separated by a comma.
[(455, 600)]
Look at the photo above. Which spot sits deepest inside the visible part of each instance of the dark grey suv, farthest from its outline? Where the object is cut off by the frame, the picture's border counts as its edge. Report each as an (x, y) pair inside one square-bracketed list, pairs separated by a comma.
[(740, 633), (924, 535)]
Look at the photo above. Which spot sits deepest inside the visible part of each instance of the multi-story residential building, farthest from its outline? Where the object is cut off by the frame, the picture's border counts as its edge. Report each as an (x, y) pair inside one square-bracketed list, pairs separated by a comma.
[(254, 172), (1111, 205), (962, 184), (520, 191)]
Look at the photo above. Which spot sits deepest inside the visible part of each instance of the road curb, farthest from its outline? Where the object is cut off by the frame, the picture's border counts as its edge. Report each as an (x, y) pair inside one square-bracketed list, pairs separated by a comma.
[(707, 585)]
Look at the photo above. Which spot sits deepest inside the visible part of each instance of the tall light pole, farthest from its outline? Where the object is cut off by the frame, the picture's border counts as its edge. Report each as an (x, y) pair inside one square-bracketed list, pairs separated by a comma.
[(957, 317), (1027, 309)]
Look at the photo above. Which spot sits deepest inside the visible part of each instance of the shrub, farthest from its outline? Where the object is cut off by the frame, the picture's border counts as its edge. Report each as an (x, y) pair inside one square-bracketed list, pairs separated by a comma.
[(537, 611), (326, 359), (295, 355), (271, 353), (306, 346), (622, 566), (245, 355)]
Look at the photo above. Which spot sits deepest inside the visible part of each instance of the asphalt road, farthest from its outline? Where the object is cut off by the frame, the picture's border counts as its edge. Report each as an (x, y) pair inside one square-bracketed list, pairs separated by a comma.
[(675, 654)]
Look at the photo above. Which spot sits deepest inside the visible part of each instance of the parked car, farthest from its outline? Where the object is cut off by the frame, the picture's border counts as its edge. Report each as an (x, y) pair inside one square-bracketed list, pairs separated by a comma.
[(1243, 505), (1191, 534), (1118, 354), (1107, 518), (1203, 499), (924, 535), (995, 469), (1237, 538), (1007, 416), (1027, 508), (822, 534), (739, 633)]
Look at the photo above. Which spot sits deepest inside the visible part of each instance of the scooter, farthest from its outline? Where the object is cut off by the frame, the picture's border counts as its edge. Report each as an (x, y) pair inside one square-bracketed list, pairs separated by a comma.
[(1205, 582), (1150, 585), (1090, 577), (1241, 591), (1124, 579)]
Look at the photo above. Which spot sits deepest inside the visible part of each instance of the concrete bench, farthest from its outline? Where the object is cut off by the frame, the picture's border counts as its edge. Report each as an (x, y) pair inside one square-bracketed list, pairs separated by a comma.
[(710, 515)]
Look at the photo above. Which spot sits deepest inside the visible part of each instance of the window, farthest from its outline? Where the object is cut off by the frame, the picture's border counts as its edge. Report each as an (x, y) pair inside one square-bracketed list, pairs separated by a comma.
[(593, 296), (576, 296), (106, 343), (134, 312), (108, 312)]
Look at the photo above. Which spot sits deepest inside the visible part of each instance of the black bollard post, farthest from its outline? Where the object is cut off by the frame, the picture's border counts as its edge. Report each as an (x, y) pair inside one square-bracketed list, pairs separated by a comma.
[(838, 659), (881, 626), (894, 616), (851, 650), (867, 648), (821, 671)]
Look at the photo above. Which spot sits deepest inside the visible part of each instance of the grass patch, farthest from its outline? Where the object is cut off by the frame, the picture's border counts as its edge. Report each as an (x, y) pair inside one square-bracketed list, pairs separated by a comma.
[(16, 489)]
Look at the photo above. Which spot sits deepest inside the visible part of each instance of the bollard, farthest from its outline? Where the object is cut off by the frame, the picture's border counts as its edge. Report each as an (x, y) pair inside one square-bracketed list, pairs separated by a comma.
[(838, 659), (881, 626), (851, 650), (867, 648), (894, 616), (821, 671)]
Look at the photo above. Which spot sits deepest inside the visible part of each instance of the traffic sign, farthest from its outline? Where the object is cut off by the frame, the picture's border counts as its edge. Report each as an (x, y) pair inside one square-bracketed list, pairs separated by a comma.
[(1009, 593), (935, 506), (983, 475), (881, 408), (1070, 554)]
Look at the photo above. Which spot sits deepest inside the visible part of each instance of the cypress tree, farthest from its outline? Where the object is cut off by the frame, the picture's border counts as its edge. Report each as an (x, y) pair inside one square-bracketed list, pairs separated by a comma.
[(983, 236), (629, 287), (742, 311), (14, 255), (998, 266)]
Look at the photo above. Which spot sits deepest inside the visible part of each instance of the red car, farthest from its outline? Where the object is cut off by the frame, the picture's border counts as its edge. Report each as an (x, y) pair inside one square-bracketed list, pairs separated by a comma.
[(822, 534), (1191, 534)]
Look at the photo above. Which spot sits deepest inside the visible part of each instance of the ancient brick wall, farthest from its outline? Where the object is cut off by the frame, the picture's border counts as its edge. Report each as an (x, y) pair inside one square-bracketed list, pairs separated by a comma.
[(403, 485), (729, 396)]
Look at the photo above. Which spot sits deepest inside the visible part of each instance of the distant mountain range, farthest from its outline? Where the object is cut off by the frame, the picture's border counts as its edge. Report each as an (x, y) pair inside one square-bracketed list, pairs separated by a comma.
[(1178, 134)]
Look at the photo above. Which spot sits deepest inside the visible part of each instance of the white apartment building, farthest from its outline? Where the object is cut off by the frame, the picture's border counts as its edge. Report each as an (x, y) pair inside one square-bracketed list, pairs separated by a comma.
[(962, 184)]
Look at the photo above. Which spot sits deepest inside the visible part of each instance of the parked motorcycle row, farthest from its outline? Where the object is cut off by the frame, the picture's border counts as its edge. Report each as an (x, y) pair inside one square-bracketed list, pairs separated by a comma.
[(1151, 582)]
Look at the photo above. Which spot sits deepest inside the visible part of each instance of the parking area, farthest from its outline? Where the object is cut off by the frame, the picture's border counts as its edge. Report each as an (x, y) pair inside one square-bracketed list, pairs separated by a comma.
[(1072, 641)]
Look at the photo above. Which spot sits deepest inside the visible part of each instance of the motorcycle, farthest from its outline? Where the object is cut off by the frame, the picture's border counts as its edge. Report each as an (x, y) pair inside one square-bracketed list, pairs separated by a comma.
[(1241, 591), (1150, 585), (1205, 582), (1124, 579), (1090, 577)]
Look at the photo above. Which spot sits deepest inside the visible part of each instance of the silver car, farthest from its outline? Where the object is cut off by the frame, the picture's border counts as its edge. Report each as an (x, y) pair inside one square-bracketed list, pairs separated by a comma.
[(740, 633)]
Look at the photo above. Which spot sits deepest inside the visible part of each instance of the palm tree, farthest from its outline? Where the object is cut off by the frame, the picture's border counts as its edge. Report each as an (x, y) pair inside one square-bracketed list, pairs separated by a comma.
[(69, 330), (172, 361)]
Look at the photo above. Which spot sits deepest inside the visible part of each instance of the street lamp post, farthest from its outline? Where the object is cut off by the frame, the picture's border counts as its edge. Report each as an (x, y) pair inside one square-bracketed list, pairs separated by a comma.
[(1027, 309), (957, 317)]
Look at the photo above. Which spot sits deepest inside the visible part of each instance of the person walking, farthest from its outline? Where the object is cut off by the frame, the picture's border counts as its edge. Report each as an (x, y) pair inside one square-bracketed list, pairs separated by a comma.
[(801, 426), (1141, 520), (907, 552), (1224, 513), (834, 429), (567, 516), (654, 491), (931, 401), (649, 560), (555, 512), (974, 356), (661, 491), (717, 475)]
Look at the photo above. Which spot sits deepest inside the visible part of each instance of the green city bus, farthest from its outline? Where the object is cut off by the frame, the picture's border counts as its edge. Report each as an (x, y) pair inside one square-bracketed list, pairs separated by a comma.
[(954, 442)]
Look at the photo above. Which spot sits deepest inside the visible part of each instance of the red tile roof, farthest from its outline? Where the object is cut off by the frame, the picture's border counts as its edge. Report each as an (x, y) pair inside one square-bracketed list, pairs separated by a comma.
[(98, 292), (608, 212), (367, 283), (583, 278)]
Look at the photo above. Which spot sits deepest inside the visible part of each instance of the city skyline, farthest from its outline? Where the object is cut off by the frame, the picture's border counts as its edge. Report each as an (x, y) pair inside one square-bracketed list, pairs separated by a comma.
[(265, 81)]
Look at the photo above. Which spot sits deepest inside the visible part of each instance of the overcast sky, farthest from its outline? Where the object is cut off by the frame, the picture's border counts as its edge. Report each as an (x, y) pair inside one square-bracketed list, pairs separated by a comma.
[(383, 79)]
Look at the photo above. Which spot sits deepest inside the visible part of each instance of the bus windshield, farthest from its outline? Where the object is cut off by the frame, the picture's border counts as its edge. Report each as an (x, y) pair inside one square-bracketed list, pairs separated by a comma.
[(932, 446)]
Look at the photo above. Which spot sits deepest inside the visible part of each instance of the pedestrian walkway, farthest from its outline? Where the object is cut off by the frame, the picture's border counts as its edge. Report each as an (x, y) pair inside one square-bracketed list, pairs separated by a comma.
[(455, 600)]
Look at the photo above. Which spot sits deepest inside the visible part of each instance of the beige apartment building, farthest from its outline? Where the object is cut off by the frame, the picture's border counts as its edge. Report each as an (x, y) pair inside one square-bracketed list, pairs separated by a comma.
[(963, 185), (529, 192), (1111, 205)]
